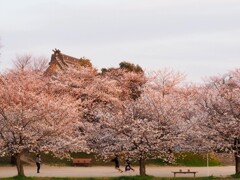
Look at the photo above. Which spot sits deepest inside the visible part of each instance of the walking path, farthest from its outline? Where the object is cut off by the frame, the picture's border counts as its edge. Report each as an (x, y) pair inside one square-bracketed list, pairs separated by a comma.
[(100, 171)]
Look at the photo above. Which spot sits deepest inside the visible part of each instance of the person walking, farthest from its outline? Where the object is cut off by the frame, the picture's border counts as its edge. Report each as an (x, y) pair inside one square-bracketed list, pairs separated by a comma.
[(117, 164), (38, 163), (128, 166)]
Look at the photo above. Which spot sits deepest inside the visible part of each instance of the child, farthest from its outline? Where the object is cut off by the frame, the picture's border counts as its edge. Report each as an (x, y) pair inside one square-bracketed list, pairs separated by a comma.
[(128, 166)]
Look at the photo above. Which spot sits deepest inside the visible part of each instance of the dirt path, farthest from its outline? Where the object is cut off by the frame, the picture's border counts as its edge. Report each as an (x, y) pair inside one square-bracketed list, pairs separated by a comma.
[(99, 171)]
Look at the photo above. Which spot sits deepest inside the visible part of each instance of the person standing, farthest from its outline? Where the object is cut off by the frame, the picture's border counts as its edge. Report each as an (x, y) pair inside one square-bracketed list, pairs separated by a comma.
[(38, 163), (117, 164)]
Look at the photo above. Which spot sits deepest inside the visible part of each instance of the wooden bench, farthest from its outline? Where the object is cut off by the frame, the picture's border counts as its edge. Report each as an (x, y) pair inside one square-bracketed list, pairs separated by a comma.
[(184, 172), (81, 161)]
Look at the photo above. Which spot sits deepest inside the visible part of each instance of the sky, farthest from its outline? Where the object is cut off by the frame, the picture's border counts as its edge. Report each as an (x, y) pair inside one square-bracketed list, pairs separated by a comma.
[(199, 38)]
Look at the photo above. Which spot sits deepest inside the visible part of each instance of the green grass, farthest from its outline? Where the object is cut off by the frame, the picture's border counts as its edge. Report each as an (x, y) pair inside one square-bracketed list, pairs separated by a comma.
[(116, 178), (196, 159), (190, 159), (236, 176)]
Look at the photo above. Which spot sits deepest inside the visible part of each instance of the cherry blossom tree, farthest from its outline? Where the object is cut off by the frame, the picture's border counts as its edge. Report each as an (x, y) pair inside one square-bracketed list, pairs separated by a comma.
[(99, 96), (34, 117), (148, 127), (95, 91), (129, 78), (219, 115)]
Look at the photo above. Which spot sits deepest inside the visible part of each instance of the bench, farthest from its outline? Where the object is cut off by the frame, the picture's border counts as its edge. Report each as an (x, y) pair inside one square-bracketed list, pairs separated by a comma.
[(184, 172), (81, 161)]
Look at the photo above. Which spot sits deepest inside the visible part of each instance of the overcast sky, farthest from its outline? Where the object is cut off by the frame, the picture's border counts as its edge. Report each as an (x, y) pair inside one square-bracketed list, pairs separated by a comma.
[(197, 37)]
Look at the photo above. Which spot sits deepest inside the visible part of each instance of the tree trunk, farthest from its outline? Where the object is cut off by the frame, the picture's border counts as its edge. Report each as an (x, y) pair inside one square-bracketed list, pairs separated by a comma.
[(237, 154), (142, 167), (19, 165), (237, 161)]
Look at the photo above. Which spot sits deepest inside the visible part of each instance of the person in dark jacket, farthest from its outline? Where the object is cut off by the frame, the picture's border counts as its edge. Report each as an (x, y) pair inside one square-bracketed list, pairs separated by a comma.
[(38, 162), (128, 166), (117, 164)]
